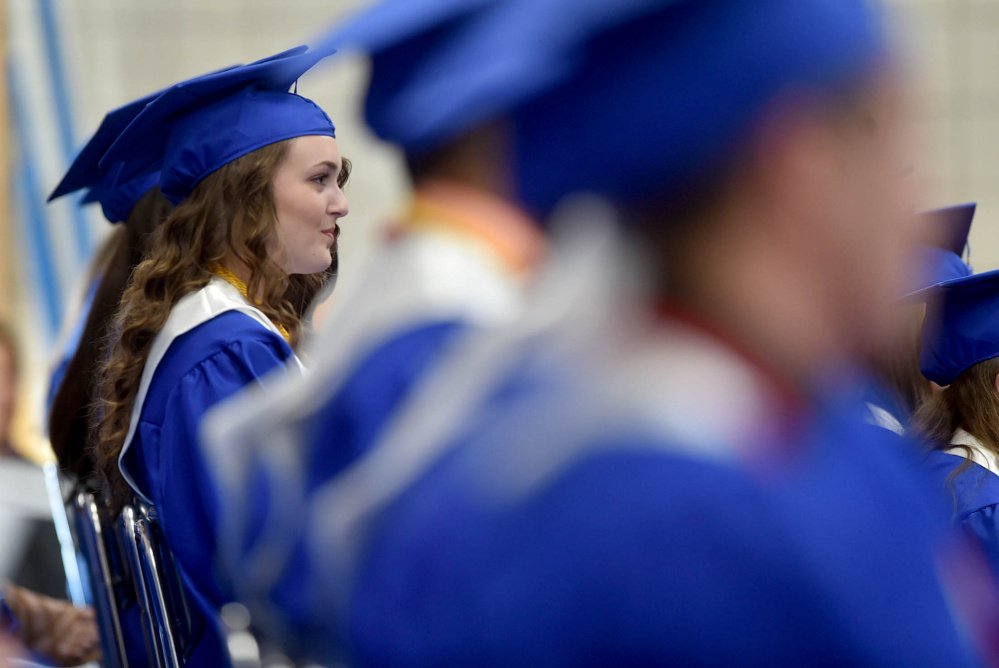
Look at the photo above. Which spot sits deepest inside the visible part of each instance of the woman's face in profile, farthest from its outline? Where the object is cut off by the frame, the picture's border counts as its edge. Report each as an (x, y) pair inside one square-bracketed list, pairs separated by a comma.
[(309, 202)]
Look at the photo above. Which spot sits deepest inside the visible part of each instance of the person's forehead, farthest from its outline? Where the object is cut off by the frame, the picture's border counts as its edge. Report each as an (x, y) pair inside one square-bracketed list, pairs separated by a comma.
[(314, 149)]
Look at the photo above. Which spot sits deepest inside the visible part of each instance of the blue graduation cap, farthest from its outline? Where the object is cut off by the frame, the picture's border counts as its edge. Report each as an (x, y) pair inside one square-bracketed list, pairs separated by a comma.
[(85, 170), (407, 40), (948, 227), (198, 125), (117, 201), (965, 326), (945, 236), (637, 99)]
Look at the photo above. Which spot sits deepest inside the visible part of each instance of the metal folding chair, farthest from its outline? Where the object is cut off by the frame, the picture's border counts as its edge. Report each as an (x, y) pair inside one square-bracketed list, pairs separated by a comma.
[(133, 566), (166, 618), (97, 548)]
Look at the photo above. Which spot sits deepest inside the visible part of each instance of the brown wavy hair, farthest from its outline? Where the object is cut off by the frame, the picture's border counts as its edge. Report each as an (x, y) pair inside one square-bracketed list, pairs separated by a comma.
[(971, 403), (230, 213), (70, 416)]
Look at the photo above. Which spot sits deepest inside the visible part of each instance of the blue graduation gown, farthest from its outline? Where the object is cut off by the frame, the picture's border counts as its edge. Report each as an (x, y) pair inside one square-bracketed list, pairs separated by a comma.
[(636, 553), (163, 461), (417, 301), (973, 494), (645, 513), (642, 504)]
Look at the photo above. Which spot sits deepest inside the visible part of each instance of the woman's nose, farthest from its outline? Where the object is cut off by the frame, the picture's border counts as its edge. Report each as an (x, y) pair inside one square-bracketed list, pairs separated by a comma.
[(338, 206)]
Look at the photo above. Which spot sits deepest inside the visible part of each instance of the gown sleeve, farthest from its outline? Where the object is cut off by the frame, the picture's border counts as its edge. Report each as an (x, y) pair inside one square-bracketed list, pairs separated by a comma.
[(270, 522), (369, 397), (183, 489), (983, 524)]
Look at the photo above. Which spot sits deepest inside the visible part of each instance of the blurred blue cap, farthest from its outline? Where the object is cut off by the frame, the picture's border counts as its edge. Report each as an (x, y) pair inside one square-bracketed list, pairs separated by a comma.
[(118, 200), (936, 266), (949, 226), (414, 46), (945, 232), (643, 98), (965, 326), (197, 126)]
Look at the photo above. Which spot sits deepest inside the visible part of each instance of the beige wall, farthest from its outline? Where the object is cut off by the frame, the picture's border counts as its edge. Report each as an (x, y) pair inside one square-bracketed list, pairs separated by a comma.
[(121, 49), (953, 46)]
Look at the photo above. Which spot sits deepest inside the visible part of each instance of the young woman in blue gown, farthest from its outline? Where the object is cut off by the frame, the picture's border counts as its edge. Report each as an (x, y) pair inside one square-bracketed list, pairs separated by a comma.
[(255, 177)]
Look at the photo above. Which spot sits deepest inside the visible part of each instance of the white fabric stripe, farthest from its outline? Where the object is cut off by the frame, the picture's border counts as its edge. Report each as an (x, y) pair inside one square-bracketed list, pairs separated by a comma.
[(214, 299), (879, 417), (980, 454)]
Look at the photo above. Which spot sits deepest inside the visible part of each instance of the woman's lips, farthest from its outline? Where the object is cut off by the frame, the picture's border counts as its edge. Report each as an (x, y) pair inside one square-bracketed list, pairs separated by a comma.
[(332, 234)]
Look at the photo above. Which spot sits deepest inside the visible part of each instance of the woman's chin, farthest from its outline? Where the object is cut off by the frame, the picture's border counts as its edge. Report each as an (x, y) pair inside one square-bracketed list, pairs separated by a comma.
[(317, 264)]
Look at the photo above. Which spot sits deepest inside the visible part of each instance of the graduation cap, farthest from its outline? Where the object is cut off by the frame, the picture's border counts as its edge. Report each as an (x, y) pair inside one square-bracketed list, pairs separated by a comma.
[(944, 238), (407, 40), (196, 126), (85, 170), (117, 201), (637, 99), (965, 328), (948, 228)]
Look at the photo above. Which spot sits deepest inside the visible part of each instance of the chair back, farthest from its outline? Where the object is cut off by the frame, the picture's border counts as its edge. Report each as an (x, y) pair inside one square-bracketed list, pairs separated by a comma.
[(170, 627), (98, 552)]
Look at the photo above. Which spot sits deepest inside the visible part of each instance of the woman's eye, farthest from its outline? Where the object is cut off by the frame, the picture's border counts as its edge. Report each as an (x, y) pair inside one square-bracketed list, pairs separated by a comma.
[(321, 179)]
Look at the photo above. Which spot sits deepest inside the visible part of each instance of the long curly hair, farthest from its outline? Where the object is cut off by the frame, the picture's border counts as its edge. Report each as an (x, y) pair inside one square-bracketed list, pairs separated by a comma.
[(971, 403), (70, 416), (231, 213)]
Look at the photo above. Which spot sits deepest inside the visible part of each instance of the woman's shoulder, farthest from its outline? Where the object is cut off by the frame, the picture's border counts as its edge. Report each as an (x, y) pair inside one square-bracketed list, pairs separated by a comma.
[(971, 486), (217, 357), (211, 320), (231, 335), (214, 299), (215, 331)]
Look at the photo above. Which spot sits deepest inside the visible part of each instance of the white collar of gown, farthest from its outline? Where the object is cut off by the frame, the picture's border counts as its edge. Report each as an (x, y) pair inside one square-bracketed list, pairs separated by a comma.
[(980, 454), (214, 299)]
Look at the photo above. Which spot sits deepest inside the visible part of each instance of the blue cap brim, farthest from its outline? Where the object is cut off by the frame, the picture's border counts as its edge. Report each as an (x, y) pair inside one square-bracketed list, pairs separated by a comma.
[(941, 288), (961, 328)]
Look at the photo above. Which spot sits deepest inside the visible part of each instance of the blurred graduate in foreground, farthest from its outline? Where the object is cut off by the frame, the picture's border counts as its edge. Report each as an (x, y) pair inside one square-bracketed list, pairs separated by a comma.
[(683, 476), (679, 474), (459, 259)]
